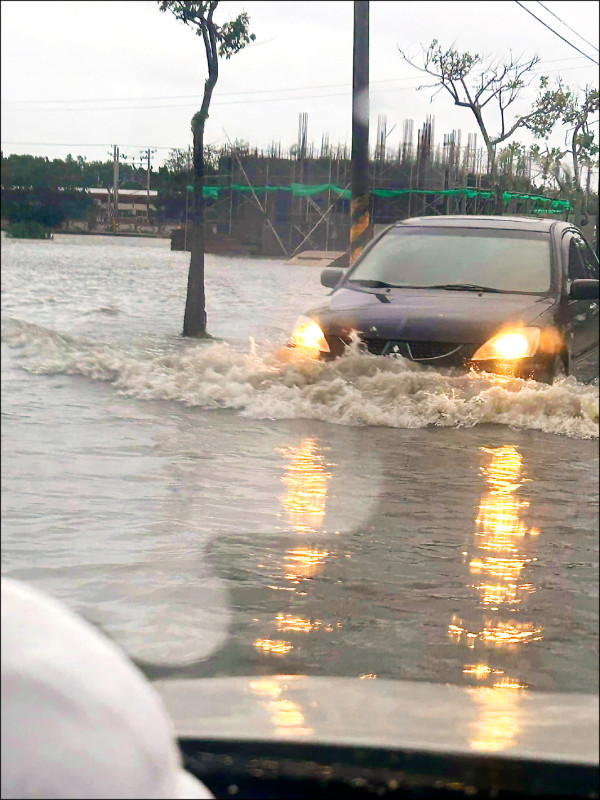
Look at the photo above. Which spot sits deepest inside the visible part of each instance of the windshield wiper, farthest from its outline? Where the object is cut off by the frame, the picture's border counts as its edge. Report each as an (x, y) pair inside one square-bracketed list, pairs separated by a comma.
[(465, 287), (368, 283), (361, 284)]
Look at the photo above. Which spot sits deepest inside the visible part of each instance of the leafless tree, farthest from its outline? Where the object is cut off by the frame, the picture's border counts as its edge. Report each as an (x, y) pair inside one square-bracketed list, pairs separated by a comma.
[(488, 87)]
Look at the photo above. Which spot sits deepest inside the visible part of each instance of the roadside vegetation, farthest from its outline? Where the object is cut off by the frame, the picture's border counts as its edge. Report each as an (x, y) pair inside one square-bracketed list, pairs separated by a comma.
[(490, 89), (28, 230)]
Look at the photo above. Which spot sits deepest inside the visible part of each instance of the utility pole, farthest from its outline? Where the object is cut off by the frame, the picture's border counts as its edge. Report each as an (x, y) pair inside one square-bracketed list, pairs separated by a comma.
[(115, 214), (146, 154), (148, 188), (189, 189), (359, 208)]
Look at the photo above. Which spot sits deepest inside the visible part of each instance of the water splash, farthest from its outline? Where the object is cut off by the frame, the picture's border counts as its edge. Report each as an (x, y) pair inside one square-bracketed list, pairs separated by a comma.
[(358, 389)]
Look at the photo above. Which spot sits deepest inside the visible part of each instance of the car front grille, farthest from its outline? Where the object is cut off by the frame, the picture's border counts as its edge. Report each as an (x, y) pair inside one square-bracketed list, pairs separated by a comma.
[(420, 351), (416, 351), (376, 346)]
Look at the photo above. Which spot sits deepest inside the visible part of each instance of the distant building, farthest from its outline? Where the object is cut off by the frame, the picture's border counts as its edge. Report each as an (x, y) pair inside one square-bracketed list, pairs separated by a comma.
[(132, 202)]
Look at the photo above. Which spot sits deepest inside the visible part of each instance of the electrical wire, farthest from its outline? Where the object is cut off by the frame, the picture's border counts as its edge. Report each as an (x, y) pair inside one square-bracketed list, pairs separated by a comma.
[(110, 144), (86, 144), (215, 103), (556, 33), (199, 96), (567, 26), (229, 94), (296, 98)]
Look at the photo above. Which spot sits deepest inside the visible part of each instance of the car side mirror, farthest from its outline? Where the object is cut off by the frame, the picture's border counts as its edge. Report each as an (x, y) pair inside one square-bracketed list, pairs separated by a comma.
[(331, 277), (584, 289)]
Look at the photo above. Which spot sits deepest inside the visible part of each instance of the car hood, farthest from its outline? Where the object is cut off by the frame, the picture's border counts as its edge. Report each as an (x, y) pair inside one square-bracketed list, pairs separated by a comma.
[(428, 314), (402, 715)]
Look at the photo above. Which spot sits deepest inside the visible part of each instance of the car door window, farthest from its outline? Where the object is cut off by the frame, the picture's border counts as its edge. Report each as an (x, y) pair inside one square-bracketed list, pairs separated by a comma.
[(576, 265)]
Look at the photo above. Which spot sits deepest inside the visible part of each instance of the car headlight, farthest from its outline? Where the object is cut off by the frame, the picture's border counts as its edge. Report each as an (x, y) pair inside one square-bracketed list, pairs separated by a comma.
[(307, 334), (510, 345)]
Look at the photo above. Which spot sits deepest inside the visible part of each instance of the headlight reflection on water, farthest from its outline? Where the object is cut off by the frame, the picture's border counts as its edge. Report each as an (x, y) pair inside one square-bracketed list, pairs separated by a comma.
[(306, 481), (273, 646), (286, 715), (500, 539), (304, 502)]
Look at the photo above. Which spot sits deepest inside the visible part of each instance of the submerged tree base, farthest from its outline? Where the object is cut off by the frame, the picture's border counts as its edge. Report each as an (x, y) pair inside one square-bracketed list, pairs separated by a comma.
[(199, 335)]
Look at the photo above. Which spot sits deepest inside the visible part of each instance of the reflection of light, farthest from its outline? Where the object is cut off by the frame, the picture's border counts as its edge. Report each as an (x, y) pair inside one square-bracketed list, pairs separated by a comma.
[(304, 501), (306, 482), (507, 633), (267, 687), (287, 622), (305, 563), (499, 537), (507, 569), (273, 646), (505, 372), (508, 683), (367, 676), (286, 715), (454, 629), (504, 470), (500, 529), (499, 518), (498, 724), (500, 633), (480, 670), (301, 564), (493, 595)]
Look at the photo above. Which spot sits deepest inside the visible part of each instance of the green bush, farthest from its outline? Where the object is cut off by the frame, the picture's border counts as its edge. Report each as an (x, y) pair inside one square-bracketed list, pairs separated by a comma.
[(28, 230)]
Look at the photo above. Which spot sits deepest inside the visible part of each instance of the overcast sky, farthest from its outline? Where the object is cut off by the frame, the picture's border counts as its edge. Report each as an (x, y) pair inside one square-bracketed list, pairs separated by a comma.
[(78, 77)]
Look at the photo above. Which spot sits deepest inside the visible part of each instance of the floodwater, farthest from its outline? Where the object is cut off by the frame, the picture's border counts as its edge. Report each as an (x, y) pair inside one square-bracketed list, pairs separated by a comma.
[(219, 508)]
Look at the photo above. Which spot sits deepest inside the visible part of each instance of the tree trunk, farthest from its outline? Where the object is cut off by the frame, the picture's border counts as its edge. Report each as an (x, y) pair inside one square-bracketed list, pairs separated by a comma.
[(498, 204), (194, 320), (491, 151)]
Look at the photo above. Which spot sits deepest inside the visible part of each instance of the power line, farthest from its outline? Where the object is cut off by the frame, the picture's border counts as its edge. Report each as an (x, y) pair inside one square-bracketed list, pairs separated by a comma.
[(567, 26), (110, 144), (199, 96), (85, 144), (296, 98), (555, 32), (216, 103), (230, 94)]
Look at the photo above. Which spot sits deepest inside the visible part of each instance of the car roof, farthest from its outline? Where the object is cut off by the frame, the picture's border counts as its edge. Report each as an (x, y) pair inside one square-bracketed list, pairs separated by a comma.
[(499, 223)]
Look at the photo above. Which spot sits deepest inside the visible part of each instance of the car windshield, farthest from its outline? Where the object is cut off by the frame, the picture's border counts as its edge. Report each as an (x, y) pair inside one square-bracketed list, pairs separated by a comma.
[(230, 508), (500, 260)]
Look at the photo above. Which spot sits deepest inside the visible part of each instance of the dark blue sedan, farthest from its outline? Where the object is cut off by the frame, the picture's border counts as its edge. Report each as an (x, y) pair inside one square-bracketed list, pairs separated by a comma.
[(494, 294)]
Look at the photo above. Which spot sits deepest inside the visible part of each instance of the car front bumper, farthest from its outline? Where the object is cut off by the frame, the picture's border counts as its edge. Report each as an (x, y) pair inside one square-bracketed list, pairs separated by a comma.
[(443, 355)]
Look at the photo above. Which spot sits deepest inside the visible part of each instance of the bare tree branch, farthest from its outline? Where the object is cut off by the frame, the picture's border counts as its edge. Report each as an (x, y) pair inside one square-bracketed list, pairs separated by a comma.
[(496, 85)]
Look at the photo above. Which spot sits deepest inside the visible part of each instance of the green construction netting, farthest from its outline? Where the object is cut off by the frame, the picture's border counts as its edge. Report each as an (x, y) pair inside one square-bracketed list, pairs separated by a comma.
[(540, 203)]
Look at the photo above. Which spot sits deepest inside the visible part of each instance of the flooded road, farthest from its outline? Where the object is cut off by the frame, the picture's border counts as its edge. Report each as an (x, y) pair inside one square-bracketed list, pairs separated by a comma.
[(220, 509)]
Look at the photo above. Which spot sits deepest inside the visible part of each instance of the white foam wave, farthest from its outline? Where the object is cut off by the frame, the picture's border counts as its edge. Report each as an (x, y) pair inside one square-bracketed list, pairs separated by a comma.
[(358, 389)]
